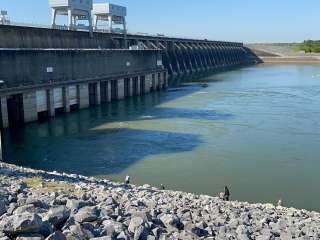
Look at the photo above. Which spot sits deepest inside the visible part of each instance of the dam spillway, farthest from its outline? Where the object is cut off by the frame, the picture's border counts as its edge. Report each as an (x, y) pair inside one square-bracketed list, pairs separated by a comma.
[(46, 71)]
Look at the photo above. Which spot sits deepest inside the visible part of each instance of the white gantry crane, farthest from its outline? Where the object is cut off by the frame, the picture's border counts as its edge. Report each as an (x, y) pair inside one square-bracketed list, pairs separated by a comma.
[(111, 14), (4, 17), (75, 10)]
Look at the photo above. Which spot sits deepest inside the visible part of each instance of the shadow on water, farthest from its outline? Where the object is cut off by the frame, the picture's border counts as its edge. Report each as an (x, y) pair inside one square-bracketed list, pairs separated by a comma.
[(91, 153), (74, 142)]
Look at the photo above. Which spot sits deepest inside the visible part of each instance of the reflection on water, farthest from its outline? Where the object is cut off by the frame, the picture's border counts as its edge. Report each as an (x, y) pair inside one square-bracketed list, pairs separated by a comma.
[(256, 129)]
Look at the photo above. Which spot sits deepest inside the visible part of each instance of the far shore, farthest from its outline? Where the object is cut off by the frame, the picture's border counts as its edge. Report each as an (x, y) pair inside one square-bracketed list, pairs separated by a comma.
[(295, 60)]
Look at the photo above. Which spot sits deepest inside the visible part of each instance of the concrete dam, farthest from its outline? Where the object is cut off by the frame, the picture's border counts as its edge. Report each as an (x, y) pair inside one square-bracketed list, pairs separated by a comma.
[(180, 56), (45, 71)]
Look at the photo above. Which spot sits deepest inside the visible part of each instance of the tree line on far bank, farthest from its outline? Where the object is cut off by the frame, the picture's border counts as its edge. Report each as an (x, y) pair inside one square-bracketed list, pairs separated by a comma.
[(310, 46)]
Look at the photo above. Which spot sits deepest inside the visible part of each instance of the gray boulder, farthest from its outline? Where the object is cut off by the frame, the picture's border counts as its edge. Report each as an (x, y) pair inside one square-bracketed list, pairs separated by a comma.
[(57, 215), (78, 232), (171, 222), (135, 223), (111, 224), (141, 233), (74, 205), (21, 223), (123, 236), (86, 214), (30, 208), (195, 229)]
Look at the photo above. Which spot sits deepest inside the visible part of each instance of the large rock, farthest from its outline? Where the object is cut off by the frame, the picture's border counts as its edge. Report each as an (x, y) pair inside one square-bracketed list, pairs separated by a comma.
[(140, 233), (171, 222), (36, 202), (28, 208), (195, 229), (135, 223), (86, 214), (57, 215), (111, 225), (74, 205), (78, 232), (21, 223)]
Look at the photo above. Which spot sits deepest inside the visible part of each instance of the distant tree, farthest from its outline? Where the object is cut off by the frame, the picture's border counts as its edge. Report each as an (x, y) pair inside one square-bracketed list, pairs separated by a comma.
[(310, 46)]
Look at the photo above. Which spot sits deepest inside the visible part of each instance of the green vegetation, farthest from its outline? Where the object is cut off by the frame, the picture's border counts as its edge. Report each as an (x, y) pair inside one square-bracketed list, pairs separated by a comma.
[(310, 46), (40, 185), (33, 182)]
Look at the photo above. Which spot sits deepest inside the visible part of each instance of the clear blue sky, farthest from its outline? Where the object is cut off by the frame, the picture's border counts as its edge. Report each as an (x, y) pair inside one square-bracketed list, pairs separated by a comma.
[(233, 20)]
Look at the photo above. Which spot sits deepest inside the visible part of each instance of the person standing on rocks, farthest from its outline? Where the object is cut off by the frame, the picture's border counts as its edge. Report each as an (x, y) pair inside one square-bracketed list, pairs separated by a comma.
[(226, 194), (127, 180)]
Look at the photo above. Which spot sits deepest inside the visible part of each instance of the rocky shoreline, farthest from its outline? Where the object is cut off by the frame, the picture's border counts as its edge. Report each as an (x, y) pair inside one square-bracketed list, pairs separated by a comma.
[(37, 205)]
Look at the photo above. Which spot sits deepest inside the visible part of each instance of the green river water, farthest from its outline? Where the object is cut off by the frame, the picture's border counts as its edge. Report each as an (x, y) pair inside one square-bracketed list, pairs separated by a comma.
[(256, 130)]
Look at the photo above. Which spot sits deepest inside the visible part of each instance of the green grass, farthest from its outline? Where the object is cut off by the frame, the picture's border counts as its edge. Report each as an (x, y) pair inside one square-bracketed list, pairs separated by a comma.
[(39, 185), (34, 181)]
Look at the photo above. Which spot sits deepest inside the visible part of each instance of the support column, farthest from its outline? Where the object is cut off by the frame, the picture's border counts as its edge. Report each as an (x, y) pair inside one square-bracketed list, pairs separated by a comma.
[(138, 90), (53, 17), (70, 19), (161, 81), (130, 87), (153, 82), (110, 23), (120, 83), (4, 112), (95, 24), (66, 102), (148, 83), (157, 81), (50, 103), (109, 91), (98, 94), (124, 26), (30, 107), (83, 95), (90, 24), (165, 79)]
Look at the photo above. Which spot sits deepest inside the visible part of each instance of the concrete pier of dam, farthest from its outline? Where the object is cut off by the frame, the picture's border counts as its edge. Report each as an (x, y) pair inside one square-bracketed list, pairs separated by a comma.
[(39, 83)]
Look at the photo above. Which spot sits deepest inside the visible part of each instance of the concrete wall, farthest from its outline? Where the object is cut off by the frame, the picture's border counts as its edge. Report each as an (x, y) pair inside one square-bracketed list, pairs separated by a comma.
[(31, 37), (180, 56), (26, 67), (28, 37)]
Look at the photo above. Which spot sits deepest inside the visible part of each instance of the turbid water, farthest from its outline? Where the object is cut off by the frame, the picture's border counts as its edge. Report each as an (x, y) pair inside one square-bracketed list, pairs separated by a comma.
[(256, 130)]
